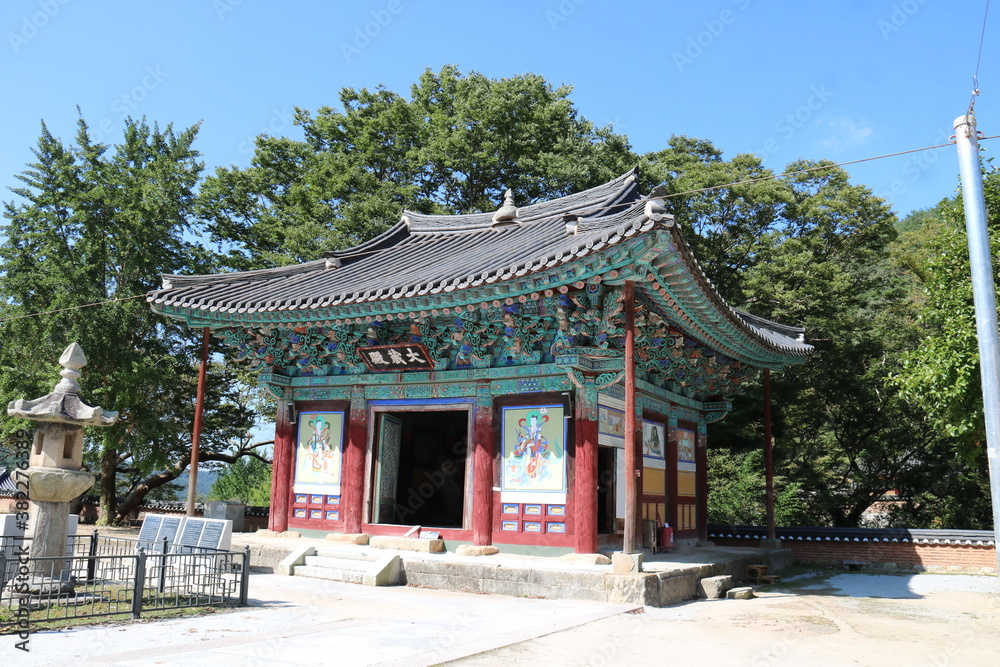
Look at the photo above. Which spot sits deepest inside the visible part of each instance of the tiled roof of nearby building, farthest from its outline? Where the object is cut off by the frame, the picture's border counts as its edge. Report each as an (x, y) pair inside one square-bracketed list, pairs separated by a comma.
[(7, 485), (427, 255)]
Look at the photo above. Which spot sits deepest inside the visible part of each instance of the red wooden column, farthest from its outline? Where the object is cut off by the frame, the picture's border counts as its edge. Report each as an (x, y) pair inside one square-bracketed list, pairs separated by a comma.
[(671, 517), (585, 469), (701, 456), (282, 465), (632, 465), (484, 440), (353, 478)]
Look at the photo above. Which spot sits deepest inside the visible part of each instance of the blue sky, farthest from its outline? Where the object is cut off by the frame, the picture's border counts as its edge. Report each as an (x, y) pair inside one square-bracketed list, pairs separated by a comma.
[(833, 80)]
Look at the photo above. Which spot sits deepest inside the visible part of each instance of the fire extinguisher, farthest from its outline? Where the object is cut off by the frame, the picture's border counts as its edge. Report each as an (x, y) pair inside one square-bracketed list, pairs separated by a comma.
[(667, 537)]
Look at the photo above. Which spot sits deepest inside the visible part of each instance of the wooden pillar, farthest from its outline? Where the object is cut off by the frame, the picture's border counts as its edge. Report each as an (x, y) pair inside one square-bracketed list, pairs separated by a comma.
[(701, 456), (353, 478), (282, 470), (640, 470), (199, 409), (768, 458), (585, 468), (631, 465), (671, 517), (484, 440)]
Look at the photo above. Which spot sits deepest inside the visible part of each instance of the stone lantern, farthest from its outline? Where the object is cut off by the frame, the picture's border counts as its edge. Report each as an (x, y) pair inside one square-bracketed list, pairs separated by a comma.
[(54, 475)]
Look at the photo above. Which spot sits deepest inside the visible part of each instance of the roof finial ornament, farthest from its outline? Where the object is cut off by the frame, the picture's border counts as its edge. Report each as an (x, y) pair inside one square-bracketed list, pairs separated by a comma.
[(506, 215)]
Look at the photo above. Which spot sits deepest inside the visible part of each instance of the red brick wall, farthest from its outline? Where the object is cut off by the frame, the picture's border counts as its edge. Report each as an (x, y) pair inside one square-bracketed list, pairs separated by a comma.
[(935, 557)]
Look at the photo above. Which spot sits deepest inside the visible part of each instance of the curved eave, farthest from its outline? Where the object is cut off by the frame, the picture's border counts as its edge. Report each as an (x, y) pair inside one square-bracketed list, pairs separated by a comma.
[(256, 289), (754, 340)]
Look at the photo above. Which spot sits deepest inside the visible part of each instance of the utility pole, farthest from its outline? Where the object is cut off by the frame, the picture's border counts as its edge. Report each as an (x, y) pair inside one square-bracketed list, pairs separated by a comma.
[(984, 296)]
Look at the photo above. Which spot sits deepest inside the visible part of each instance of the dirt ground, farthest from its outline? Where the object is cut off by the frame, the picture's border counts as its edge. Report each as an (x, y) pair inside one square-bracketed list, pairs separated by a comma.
[(837, 619)]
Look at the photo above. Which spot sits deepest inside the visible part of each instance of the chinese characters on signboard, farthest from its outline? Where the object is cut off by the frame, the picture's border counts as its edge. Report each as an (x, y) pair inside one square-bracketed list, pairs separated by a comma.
[(406, 357)]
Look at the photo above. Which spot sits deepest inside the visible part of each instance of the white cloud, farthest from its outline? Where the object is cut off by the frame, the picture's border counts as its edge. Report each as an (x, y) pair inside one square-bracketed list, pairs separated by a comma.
[(845, 132)]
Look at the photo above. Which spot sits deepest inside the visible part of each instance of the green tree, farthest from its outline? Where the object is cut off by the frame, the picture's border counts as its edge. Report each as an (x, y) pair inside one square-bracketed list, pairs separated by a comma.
[(247, 480), (736, 487), (941, 375), (99, 224), (454, 147), (809, 249)]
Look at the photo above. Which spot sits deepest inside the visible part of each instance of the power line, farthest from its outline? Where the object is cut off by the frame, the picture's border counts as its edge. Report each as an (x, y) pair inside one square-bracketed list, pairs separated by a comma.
[(62, 310), (606, 208), (979, 58)]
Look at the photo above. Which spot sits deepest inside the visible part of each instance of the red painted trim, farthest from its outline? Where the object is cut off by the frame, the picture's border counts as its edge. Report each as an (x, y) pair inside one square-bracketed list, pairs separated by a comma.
[(534, 539), (584, 500), (398, 531), (484, 440), (353, 475), (282, 465)]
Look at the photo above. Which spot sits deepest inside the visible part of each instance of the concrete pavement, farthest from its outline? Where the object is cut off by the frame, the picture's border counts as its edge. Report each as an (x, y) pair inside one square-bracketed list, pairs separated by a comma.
[(300, 621)]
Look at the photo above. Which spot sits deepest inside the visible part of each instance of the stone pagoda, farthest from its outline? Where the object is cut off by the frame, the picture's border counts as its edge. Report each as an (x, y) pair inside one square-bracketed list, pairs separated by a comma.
[(55, 476)]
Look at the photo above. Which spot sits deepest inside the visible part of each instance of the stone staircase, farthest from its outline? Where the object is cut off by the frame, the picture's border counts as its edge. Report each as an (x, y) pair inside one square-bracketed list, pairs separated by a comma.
[(350, 566)]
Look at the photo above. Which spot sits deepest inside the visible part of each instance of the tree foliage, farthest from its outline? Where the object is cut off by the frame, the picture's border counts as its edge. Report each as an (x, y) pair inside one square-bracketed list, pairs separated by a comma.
[(247, 480), (942, 374), (99, 224), (454, 146), (736, 495)]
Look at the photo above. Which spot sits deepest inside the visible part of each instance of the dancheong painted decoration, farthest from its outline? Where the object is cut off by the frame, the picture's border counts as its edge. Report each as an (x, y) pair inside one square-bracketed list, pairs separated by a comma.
[(466, 373)]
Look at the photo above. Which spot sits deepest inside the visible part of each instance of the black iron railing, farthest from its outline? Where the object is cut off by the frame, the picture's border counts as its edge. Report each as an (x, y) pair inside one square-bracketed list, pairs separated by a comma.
[(104, 576)]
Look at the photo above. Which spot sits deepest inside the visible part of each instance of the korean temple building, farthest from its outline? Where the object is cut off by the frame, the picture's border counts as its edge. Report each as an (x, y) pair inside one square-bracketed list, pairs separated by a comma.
[(470, 374)]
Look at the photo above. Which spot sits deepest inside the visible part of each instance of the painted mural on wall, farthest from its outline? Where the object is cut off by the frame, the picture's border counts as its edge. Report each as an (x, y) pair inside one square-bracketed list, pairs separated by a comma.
[(653, 440), (685, 445), (534, 448), (611, 421), (318, 452)]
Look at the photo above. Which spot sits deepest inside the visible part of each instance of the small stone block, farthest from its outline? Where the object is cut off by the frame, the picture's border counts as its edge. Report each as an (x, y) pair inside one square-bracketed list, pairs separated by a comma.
[(622, 563), (290, 533), (264, 532), (298, 557), (407, 544), (742, 593), (470, 550), (586, 559), (348, 538), (715, 587)]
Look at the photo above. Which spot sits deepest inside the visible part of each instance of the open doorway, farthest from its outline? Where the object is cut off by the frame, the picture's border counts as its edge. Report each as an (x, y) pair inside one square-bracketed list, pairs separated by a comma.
[(419, 468)]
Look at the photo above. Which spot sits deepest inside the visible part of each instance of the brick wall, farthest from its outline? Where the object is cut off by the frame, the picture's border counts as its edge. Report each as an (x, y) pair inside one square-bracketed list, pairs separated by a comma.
[(968, 558)]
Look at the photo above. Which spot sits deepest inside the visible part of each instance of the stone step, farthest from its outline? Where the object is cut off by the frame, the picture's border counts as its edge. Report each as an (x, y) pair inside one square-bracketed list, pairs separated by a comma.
[(349, 554), (331, 573), (337, 562)]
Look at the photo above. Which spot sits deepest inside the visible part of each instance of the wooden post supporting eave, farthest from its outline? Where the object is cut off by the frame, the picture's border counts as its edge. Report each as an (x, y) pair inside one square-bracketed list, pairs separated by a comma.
[(199, 406), (768, 459), (631, 469)]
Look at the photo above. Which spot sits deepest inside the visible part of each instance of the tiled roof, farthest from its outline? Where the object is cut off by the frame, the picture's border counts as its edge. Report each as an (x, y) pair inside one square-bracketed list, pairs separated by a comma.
[(433, 255)]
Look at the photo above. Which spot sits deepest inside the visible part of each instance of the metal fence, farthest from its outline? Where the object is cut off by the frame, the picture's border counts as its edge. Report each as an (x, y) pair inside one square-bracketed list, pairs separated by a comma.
[(104, 576)]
